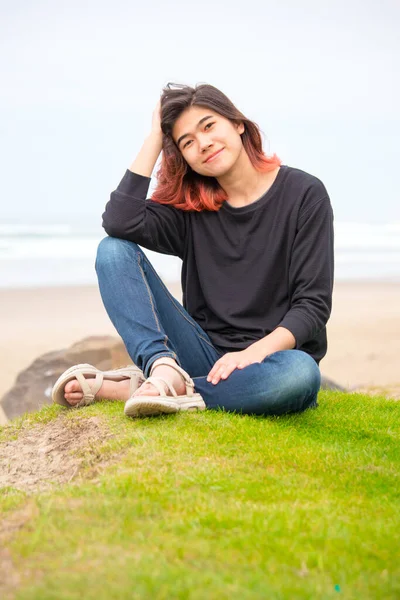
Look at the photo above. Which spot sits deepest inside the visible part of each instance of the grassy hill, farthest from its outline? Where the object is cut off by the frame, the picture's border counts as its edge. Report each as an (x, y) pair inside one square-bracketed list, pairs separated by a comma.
[(202, 506)]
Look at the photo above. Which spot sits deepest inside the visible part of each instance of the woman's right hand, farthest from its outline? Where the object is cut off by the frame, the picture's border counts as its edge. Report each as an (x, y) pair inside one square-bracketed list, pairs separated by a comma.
[(148, 155), (156, 122)]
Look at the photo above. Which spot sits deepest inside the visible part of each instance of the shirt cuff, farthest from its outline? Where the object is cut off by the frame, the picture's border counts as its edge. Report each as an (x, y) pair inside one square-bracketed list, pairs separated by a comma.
[(133, 184), (301, 329)]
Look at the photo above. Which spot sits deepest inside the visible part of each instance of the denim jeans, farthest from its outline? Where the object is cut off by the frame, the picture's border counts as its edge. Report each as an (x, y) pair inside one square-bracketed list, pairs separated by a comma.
[(152, 323)]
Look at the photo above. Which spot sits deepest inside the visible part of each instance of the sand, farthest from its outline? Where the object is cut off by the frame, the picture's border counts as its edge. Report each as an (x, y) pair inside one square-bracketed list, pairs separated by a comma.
[(363, 331)]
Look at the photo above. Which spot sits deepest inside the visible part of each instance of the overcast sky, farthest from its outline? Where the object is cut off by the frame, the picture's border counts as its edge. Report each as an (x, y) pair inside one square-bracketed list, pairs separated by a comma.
[(80, 81)]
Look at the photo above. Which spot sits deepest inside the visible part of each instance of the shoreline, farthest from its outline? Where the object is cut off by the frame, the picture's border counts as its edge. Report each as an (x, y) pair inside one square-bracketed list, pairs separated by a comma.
[(363, 330), (390, 281)]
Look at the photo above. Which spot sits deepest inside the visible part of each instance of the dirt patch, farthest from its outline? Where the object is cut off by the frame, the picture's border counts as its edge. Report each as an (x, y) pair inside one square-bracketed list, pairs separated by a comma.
[(46, 455), (389, 391), (10, 576)]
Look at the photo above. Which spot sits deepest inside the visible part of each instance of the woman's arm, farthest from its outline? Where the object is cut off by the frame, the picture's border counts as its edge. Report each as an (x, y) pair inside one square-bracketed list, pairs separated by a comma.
[(150, 151), (311, 273), (130, 215)]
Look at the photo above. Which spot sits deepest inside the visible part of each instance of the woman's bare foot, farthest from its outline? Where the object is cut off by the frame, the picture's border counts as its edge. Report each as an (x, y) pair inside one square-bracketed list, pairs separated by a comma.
[(170, 375), (110, 390), (119, 390)]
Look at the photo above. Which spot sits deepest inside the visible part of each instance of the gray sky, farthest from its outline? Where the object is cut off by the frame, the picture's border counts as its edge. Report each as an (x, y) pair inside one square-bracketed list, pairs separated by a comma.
[(80, 82)]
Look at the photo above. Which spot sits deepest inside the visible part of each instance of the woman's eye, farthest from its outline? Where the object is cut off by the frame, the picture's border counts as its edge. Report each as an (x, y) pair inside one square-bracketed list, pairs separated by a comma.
[(204, 128)]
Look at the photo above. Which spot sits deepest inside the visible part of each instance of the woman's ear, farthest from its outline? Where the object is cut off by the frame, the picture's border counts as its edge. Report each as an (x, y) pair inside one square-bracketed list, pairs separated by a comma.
[(240, 128)]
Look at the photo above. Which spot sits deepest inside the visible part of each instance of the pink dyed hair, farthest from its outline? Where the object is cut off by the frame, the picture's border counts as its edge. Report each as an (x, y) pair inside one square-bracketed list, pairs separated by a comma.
[(177, 184)]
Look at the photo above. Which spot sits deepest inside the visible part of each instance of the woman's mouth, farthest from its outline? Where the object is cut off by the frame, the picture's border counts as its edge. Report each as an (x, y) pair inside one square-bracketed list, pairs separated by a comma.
[(214, 156)]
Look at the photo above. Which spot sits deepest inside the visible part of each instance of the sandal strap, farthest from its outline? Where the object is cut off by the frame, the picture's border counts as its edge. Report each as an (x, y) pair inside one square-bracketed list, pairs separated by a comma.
[(131, 372), (155, 381), (91, 379), (88, 391), (128, 369), (188, 380), (136, 381)]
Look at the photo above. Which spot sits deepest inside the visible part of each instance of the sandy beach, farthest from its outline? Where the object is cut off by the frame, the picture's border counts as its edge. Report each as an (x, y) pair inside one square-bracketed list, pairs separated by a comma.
[(363, 331)]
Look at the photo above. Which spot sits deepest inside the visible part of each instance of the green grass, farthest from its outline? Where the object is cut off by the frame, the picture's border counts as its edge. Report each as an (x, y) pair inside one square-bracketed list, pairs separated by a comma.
[(217, 506)]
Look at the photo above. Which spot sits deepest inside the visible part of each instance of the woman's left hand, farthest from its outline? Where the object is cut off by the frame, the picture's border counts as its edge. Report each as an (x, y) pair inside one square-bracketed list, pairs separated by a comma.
[(234, 360)]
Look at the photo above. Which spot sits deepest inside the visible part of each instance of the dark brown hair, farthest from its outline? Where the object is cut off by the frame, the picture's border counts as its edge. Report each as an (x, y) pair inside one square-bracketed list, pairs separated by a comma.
[(180, 186)]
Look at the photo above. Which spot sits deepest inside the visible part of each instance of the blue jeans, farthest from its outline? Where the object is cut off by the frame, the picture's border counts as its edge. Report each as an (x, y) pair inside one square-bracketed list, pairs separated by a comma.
[(152, 323)]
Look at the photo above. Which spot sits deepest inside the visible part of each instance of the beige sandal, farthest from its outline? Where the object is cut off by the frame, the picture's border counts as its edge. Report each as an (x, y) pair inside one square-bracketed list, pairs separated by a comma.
[(89, 391), (143, 406)]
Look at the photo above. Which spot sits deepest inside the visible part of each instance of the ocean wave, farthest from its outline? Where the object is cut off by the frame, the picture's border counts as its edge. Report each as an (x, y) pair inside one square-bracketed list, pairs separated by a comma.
[(58, 253)]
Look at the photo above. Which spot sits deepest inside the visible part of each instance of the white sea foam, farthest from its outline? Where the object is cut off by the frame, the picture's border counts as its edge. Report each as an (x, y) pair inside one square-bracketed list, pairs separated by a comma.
[(367, 236), (59, 254), (30, 229)]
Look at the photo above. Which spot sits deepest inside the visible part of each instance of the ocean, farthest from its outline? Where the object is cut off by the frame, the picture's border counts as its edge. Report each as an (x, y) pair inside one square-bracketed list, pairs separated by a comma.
[(34, 255)]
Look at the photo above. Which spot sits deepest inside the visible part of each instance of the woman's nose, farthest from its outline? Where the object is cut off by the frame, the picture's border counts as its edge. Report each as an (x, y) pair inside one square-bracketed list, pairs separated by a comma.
[(204, 144)]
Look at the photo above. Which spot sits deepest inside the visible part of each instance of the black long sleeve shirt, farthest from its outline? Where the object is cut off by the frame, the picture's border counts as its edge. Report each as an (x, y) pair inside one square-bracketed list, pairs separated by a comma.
[(246, 270)]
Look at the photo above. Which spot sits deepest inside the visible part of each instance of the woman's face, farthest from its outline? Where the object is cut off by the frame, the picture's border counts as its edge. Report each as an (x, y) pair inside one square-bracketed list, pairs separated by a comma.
[(199, 132)]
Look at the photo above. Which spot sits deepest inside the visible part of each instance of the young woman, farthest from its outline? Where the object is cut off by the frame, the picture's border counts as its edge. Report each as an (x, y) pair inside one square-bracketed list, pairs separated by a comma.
[(256, 240)]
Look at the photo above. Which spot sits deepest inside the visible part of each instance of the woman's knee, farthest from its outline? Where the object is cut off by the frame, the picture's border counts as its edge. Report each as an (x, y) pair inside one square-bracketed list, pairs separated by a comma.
[(293, 381), (113, 250), (308, 374)]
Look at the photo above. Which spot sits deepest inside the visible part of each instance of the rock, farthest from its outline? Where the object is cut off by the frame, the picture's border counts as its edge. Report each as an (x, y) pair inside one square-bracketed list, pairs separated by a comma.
[(328, 384), (32, 388), (3, 418)]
